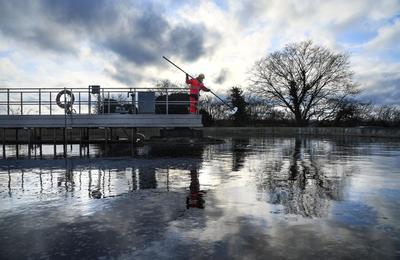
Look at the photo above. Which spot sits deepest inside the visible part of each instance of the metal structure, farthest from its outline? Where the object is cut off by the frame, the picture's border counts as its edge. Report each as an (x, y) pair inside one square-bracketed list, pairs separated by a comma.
[(87, 115), (90, 107)]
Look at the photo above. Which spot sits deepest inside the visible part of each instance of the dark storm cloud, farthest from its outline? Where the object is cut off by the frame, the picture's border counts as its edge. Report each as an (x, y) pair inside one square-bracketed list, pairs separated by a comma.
[(188, 41), (223, 74), (137, 32), (20, 20), (149, 36), (81, 12)]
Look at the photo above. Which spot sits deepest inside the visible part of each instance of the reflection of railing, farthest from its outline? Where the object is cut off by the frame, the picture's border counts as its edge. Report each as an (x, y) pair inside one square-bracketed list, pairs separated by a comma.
[(43, 101), (96, 182)]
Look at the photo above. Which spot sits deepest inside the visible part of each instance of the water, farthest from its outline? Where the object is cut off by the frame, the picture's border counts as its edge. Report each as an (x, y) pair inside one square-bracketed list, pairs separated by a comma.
[(250, 198)]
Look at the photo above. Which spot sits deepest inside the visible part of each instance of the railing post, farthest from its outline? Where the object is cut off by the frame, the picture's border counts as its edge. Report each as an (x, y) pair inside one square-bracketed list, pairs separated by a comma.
[(72, 105), (22, 108), (65, 101), (166, 102), (4, 143), (50, 102), (79, 102), (108, 96), (90, 102), (8, 101), (40, 102), (134, 100), (100, 102)]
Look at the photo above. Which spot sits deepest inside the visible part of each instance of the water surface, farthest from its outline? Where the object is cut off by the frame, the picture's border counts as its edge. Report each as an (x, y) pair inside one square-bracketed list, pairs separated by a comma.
[(250, 198)]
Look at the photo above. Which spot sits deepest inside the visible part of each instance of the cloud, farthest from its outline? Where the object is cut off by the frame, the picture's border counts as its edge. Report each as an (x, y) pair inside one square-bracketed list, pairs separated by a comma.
[(133, 32), (387, 39), (222, 76), (383, 92), (122, 41), (16, 21)]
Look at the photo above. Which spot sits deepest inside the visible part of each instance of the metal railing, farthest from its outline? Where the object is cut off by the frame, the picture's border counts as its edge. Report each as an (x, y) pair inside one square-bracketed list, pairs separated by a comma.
[(47, 101)]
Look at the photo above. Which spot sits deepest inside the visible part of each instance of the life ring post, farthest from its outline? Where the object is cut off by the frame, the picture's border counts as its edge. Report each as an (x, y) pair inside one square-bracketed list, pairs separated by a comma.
[(64, 104)]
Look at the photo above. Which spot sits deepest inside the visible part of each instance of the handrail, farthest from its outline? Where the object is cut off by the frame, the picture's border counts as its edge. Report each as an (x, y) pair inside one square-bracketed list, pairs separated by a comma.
[(42, 101)]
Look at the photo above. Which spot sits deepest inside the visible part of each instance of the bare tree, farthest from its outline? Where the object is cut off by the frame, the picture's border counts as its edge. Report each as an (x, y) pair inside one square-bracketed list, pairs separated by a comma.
[(305, 79), (163, 85)]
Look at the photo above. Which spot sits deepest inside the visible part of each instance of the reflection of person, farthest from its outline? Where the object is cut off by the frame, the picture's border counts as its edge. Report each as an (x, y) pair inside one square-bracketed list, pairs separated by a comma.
[(195, 86), (195, 196)]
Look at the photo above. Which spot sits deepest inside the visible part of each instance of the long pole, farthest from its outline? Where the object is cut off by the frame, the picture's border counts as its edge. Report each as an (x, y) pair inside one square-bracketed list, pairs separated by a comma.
[(233, 108)]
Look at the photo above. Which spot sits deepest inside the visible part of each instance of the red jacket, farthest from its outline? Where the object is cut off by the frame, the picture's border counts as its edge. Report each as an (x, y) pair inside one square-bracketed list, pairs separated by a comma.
[(195, 86)]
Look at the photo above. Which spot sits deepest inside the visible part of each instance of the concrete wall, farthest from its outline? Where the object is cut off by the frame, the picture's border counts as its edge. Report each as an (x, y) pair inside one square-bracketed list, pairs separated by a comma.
[(316, 131)]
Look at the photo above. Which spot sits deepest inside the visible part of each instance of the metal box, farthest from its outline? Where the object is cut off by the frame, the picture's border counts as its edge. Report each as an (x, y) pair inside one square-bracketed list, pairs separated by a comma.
[(95, 89), (146, 102)]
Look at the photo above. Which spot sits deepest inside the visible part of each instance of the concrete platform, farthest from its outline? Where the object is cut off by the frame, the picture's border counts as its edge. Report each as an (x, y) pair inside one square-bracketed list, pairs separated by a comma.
[(109, 120)]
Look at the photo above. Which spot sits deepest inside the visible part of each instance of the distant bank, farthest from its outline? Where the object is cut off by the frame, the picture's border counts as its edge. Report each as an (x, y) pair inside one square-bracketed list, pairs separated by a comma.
[(316, 131)]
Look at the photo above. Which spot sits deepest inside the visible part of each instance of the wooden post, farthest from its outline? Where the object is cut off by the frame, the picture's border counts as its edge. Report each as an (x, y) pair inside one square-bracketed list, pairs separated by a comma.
[(106, 140), (34, 140), (29, 143), (133, 140), (54, 143), (16, 141), (64, 143), (80, 141), (71, 132), (4, 143), (40, 144), (88, 141)]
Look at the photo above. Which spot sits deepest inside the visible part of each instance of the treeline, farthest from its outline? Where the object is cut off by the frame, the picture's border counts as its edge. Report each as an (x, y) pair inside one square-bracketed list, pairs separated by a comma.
[(302, 84), (255, 111)]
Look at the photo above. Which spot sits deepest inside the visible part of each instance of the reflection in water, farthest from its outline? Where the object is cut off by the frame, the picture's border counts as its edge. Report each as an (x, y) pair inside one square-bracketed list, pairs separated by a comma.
[(265, 197), (94, 182), (239, 149), (195, 197), (299, 183), (81, 177)]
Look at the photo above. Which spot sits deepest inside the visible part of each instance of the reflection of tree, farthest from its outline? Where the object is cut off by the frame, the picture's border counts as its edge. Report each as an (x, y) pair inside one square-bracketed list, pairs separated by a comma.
[(303, 188), (239, 153)]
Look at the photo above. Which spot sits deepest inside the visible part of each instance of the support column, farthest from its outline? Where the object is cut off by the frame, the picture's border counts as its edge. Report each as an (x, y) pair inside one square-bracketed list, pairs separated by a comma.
[(64, 143), (133, 140), (16, 141), (88, 142), (29, 142), (4, 143), (54, 143), (40, 143), (80, 141)]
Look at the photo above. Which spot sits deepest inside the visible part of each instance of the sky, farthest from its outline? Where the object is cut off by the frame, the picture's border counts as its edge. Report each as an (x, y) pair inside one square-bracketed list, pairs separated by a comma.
[(76, 43)]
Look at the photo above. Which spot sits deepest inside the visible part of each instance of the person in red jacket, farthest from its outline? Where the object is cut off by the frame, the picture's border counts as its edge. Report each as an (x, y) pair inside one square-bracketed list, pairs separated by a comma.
[(195, 86)]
